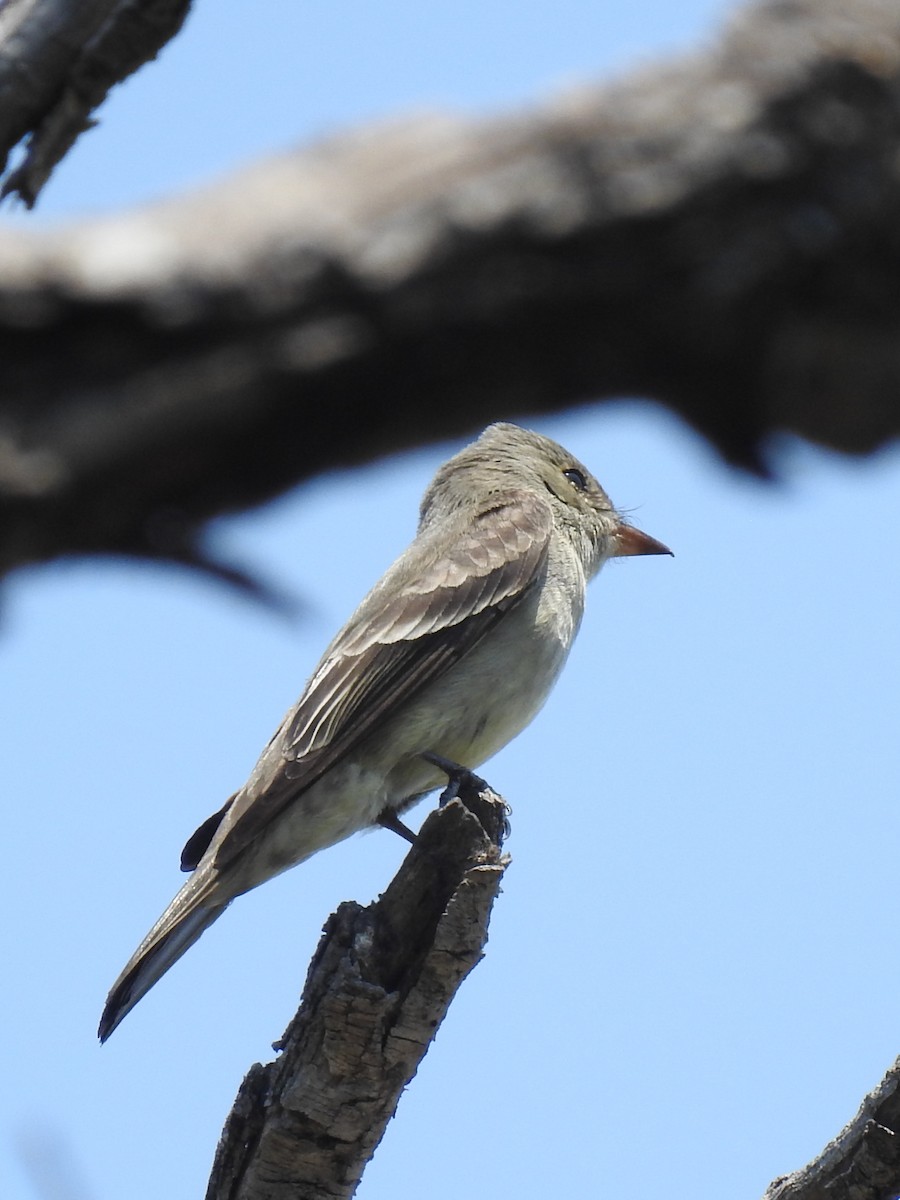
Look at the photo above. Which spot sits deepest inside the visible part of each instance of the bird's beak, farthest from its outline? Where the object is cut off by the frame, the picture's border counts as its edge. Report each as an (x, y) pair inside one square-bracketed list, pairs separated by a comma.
[(628, 540)]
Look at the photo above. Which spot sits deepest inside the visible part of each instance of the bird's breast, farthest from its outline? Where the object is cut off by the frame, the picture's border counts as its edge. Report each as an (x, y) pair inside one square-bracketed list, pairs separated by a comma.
[(490, 695)]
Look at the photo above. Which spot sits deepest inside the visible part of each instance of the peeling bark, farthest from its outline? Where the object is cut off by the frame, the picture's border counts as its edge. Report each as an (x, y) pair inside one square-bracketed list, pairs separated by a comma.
[(380, 983), (863, 1161)]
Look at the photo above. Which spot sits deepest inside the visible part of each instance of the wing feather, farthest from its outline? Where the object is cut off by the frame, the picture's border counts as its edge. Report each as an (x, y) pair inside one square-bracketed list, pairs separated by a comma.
[(411, 628)]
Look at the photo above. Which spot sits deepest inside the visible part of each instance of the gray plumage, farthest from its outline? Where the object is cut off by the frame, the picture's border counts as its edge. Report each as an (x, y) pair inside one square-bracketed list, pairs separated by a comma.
[(453, 651)]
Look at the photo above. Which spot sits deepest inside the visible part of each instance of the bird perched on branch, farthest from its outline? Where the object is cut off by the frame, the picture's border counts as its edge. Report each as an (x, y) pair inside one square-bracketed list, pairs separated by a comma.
[(450, 655)]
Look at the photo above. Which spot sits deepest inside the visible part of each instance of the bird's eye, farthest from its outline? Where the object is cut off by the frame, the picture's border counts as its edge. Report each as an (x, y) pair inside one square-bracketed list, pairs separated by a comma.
[(577, 478)]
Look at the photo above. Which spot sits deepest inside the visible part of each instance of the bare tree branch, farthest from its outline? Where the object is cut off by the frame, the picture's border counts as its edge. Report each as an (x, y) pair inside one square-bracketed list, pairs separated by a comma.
[(863, 1161), (57, 62), (379, 986), (719, 234)]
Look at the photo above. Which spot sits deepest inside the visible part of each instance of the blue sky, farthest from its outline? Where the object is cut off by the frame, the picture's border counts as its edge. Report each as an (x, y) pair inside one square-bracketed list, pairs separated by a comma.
[(692, 973)]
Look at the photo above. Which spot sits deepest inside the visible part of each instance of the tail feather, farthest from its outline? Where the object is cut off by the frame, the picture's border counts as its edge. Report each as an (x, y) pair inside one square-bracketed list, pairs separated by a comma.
[(163, 946)]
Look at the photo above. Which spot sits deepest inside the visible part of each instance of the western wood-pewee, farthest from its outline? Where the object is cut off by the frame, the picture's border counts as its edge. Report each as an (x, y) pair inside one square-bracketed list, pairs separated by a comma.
[(452, 653)]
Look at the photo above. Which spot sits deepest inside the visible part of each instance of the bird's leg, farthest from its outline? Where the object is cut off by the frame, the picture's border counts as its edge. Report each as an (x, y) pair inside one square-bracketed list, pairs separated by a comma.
[(388, 819), (459, 777)]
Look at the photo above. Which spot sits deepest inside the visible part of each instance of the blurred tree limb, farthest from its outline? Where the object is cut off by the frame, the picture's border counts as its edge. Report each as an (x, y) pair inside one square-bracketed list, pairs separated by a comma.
[(58, 60), (718, 233)]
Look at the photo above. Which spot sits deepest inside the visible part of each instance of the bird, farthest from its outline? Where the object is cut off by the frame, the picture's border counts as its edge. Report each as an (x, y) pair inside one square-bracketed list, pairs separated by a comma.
[(448, 657)]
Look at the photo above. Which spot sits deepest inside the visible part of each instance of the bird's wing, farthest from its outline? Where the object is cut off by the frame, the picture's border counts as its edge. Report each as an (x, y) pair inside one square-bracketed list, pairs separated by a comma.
[(403, 636)]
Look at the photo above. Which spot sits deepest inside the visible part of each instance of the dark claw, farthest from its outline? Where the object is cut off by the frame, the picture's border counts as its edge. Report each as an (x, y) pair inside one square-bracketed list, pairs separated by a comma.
[(459, 777), (388, 819)]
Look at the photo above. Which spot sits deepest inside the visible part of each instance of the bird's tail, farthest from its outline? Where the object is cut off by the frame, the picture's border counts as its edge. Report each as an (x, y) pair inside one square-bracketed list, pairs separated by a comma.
[(169, 938)]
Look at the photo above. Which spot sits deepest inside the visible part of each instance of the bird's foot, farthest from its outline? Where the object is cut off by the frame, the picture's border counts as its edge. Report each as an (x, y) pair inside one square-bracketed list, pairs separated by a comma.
[(471, 789)]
